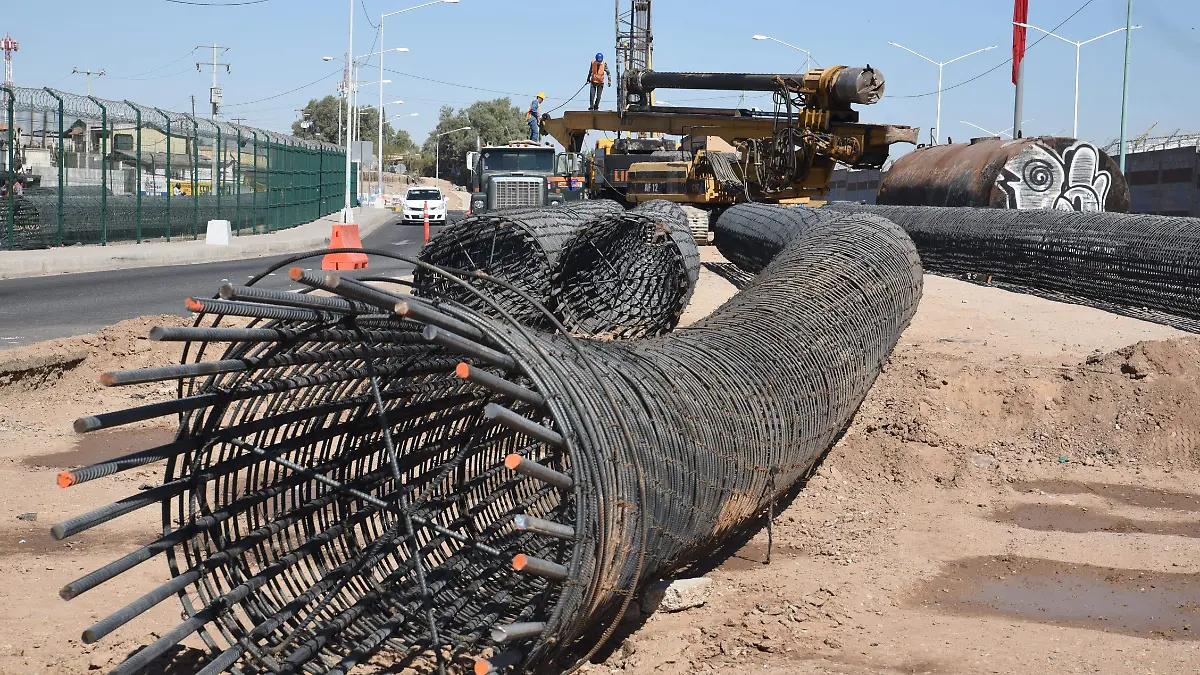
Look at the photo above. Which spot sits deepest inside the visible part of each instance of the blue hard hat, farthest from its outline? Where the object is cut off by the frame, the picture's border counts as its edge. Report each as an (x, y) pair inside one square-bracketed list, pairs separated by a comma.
[(599, 56)]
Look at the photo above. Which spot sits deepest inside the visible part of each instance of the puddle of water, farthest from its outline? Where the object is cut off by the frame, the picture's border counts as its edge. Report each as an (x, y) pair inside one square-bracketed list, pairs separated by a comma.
[(35, 540), (1065, 518), (99, 446), (1150, 498), (1132, 602)]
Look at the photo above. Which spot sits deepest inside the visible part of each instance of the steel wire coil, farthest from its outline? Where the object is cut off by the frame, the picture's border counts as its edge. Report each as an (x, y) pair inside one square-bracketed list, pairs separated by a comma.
[(522, 246), (350, 480), (751, 235), (1140, 265), (628, 275)]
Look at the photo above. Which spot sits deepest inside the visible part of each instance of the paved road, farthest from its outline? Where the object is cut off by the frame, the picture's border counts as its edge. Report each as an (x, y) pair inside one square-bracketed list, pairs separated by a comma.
[(42, 308)]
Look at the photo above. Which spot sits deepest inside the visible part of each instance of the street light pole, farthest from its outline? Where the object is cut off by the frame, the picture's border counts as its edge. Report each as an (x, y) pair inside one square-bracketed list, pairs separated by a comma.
[(382, 18), (346, 213), (1125, 81), (807, 63), (1078, 47), (437, 151), (937, 134)]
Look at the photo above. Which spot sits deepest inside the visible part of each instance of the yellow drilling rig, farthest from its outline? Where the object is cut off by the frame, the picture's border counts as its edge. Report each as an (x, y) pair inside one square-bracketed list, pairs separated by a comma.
[(785, 155)]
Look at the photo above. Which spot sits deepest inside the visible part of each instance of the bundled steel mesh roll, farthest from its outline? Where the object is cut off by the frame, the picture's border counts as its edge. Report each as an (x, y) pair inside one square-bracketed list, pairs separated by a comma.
[(367, 471), (751, 235), (628, 275), (1140, 265), (521, 246)]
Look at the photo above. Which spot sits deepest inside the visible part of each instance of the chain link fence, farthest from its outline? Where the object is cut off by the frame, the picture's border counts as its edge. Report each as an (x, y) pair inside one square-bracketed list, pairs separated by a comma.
[(85, 170)]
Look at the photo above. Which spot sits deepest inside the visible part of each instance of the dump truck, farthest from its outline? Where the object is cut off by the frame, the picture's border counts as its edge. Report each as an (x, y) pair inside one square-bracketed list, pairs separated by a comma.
[(522, 173)]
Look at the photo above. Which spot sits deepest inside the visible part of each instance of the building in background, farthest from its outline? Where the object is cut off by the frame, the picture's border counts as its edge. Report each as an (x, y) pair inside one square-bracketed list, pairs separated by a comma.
[(1163, 174), (853, 185)]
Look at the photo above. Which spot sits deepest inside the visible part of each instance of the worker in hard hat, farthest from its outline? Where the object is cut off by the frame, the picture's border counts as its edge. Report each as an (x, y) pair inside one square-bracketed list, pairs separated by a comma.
[(597, 73), (533, 118)]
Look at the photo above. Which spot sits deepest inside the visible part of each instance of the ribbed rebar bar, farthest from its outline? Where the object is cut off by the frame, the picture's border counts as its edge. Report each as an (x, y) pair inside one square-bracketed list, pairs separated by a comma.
[(317, 510)]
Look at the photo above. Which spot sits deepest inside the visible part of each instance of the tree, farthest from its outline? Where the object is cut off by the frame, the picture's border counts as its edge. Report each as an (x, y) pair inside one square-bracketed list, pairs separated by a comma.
[(323, 117), (495, 121)]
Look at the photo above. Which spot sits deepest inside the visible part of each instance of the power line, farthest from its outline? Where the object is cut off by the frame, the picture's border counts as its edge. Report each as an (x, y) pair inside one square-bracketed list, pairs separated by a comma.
[(217, 4), (290, 91), (364, 8), (154, 70), (1002, 63)]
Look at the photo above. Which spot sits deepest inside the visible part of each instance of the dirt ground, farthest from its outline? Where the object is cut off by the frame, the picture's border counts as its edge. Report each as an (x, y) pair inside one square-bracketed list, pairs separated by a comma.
[(1018, 494)]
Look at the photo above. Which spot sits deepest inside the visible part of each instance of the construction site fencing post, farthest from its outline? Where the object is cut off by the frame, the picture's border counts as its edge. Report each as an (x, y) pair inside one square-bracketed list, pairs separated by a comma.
[(12, 174), (254, 188), (60, 160), (168, 169), (138, 217), (237, 184), (103, 170), (195, 179), (218, 168)]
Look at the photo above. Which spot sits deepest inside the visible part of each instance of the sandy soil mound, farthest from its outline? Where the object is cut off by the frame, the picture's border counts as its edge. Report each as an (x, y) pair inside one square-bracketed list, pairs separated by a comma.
[(1016, 495)]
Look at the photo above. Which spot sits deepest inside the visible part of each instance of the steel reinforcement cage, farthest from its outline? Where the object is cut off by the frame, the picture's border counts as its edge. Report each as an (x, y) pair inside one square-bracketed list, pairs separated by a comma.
[(95, 171)]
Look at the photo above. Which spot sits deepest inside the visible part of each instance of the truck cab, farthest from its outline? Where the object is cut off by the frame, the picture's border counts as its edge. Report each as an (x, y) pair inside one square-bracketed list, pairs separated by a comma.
[(520, 173)]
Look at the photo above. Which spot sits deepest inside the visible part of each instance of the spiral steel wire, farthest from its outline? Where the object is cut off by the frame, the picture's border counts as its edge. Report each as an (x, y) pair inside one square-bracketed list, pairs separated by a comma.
[(601, 270), (1140, 265), (347, 479), (751, 235), (628, 275), (522, 246)]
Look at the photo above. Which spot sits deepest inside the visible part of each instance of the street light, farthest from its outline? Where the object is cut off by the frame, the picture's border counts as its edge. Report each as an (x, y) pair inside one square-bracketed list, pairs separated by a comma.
[(808, 63), (346, 212), (382, 19), (437, 152), (938, 127), (1078, 46)]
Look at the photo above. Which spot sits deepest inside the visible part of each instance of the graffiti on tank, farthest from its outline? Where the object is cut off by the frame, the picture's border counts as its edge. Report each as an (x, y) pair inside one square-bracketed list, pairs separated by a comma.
[(1040, 178)]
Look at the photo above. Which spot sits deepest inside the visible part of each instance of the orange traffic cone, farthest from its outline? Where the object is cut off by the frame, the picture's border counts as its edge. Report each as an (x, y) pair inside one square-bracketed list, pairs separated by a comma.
[(344, 236)]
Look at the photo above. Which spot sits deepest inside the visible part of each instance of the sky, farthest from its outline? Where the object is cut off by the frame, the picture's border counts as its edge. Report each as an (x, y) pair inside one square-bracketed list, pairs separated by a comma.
[(477, 49)]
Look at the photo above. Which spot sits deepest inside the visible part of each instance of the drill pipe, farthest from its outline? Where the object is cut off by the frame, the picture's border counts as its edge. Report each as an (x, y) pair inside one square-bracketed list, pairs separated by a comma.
[(1139, 265), (849, 85), (629, 275), (381, 508), (522, 246)]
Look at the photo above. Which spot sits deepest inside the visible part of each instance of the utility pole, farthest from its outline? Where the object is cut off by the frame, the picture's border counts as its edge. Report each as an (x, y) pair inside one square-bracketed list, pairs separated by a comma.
[(214, 94), (238, 120), (89, 73)]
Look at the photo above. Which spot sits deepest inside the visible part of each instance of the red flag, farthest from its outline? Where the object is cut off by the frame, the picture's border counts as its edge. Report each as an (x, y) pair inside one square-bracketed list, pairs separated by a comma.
[(1020, 15)]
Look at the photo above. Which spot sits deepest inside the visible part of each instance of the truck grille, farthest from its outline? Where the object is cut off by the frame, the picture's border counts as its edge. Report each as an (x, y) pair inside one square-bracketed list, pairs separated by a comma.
[(512, 193)]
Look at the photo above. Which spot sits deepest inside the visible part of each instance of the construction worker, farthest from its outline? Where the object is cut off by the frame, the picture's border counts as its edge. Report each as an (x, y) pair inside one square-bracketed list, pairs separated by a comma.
[(532, 118), (596, 76)]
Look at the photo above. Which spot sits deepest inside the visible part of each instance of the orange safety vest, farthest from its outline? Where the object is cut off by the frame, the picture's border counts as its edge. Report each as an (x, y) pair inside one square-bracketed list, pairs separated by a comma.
[(598, 72)]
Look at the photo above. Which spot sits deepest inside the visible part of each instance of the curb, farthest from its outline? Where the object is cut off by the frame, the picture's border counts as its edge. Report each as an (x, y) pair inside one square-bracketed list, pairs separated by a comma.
[(79, 259)]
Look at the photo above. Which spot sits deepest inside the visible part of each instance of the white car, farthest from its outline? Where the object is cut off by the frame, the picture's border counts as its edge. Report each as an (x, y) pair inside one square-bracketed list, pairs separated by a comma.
[(420, 199)]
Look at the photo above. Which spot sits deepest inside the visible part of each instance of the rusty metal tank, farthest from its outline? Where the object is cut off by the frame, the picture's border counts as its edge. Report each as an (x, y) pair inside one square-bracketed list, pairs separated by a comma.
[(1042, 172)]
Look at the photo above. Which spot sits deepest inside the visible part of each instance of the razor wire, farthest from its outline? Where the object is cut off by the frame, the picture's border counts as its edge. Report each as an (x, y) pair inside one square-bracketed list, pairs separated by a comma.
[(120, 171), (365, 470)]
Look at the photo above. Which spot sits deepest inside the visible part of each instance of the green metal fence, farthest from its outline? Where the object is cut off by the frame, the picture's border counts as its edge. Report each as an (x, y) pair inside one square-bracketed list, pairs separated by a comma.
[(94, 171)]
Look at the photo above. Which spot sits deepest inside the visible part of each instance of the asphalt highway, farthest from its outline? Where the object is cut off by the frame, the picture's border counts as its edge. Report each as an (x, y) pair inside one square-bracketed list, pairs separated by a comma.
[(42, 308)]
